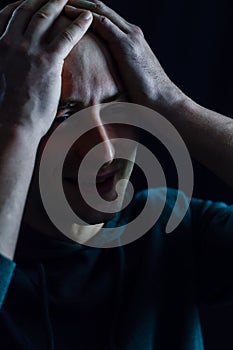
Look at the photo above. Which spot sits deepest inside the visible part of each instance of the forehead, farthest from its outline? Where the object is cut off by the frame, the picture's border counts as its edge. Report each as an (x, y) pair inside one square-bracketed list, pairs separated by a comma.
[(89, 73)]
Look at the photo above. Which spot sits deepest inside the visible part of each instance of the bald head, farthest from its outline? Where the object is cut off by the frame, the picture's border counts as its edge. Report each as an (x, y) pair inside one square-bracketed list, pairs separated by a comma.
[(89, 74), (89, 77)]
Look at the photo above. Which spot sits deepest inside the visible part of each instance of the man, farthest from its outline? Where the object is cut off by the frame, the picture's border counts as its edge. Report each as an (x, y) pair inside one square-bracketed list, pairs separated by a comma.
[(60, 294)]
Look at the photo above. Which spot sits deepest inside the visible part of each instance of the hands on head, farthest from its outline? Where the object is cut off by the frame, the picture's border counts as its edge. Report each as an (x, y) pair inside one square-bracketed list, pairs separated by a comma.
[(143, 77), (26, 56), (31, 66), (29, 55), (56, 70)]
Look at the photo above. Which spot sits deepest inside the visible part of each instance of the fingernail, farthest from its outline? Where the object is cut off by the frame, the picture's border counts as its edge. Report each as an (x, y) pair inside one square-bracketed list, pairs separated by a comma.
[(86, 15)]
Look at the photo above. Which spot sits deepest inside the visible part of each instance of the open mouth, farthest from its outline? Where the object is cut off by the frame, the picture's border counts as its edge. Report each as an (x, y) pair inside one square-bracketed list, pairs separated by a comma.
[(104, 184)]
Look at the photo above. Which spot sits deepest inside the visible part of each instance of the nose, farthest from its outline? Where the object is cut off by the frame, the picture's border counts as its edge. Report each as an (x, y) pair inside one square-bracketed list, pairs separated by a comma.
[(102, 135), (98, 133)]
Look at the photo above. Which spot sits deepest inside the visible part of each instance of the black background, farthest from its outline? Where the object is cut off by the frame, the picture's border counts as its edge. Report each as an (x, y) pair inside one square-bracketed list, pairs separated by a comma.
[(192, 40)]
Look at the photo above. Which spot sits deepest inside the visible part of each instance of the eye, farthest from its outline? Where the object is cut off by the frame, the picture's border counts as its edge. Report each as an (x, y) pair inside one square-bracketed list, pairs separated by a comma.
[(62, 116), (65, 110)]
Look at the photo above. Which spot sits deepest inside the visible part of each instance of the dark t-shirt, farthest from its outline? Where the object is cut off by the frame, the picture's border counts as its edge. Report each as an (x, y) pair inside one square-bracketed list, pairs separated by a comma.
[(144, 295)]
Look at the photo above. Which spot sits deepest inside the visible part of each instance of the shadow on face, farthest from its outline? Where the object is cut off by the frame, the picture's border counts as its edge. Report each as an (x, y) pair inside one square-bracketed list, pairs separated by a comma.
[(89, 78)]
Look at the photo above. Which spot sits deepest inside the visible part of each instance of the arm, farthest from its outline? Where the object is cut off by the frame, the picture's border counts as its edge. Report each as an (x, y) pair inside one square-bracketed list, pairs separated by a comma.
[(208, 135), (24, 57), (15, 175), (30, 87)]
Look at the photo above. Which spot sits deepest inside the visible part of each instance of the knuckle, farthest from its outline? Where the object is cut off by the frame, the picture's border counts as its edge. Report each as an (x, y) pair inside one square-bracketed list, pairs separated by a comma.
[(77, 25), (41, 15), (104, 20), (23, 8), (99, 5), (136, 31), (67, 36), (43, 59), (24, 48), (38, 59)]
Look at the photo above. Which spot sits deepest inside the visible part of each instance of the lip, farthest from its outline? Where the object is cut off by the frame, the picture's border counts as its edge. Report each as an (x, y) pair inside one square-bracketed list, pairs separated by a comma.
[(104, 176), (107, 185), (104, 187), (99, 178)]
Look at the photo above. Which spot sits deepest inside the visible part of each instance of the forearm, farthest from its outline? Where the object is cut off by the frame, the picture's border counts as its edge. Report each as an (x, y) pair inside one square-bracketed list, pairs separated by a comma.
[(31, 64), (17, 157), (207, 134)]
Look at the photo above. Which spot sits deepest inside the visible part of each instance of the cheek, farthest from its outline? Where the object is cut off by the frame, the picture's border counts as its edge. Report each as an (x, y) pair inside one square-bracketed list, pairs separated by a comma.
[(42, 146)]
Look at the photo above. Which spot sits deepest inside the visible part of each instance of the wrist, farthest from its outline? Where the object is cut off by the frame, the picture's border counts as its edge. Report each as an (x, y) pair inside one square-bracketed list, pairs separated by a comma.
[(24, 118), (20, 124), (26, 135), (171, 100)]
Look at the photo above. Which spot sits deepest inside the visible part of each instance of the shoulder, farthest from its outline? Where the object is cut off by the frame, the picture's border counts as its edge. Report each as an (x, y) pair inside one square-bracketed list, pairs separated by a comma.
[(188, 212), (161, 208)]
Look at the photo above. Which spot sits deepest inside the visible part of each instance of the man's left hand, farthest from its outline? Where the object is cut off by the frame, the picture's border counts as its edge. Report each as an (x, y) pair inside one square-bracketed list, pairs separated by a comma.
[(145, 81)]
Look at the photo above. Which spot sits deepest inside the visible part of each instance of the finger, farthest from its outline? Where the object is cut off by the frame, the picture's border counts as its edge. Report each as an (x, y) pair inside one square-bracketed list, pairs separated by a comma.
[(64, 43), (5, 15), (72, 12), (22, 16), (100, 8), (42, 20), (103, 26)]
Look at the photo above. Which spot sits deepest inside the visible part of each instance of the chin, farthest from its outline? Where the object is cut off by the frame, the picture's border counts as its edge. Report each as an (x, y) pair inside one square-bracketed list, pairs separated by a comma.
[(97, 214), (93, 217)]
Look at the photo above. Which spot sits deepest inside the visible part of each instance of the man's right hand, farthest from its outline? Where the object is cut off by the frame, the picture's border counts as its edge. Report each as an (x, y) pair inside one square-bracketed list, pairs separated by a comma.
[(31, 65)]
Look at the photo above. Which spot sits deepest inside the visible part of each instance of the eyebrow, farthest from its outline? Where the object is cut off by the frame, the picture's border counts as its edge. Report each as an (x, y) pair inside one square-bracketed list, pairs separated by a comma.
[(119, 96)]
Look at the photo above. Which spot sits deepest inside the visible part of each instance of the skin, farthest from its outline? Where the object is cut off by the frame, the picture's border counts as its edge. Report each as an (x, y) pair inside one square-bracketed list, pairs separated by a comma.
[(89, 78), (207, 134), (28, 110)]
